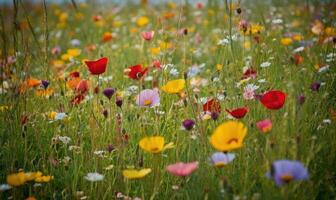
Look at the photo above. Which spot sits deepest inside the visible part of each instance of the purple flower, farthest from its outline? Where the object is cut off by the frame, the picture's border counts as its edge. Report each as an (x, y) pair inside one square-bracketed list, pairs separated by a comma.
[(315, 86), (110, 148), (148, 98), (214, 115), (45, 84), (285, 171), (220, 159), (188, 124), (108, 92), (301, 99)]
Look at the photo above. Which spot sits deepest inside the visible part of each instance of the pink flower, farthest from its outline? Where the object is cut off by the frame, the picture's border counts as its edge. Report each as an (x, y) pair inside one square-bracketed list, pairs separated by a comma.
[(182, 169), (264, 125), (147, 35), (248, 93)]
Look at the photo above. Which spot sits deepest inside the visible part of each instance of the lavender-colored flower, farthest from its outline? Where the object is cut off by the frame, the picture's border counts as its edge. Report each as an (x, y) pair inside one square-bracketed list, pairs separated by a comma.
[(315, 86), (188, 124), (108, 92), (285, 171), (220, 159), (301, 99), (148, 98), (45, 84)]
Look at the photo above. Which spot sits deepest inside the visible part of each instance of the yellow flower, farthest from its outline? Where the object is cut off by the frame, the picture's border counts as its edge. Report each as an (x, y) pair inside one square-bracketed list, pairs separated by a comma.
[(174, 86), (286, 41), (219, 67), (142, 21), (44, 179), (16, 179), (154, 144), (155, 50), (136, 174), (44, 92), (74, 52), (30, 198), (228, 136)]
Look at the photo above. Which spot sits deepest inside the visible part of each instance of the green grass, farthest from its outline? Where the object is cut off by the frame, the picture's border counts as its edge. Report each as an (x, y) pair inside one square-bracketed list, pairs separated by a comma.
[(298, 131)]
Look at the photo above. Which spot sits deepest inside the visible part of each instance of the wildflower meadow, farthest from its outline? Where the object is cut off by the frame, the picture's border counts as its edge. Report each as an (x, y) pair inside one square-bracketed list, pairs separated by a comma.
[(145, 100)]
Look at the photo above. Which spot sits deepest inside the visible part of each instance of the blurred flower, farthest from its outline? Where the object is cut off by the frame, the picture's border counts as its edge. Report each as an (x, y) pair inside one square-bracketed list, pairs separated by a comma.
[(248, 93), (285, 171), (154, 144), (136, 72), (228, 136), (16, 179), (108, 92), (286, 41), (212, 105), (174, 86), (188, 124), (301, 99), (94, 177), (56, 50), (238, 112), (220, 159), (265, 64), (142, 21), (148, 98), (315, 86), (28, 84), (182, 169), (4, 187), (147, 35), (136, 174), (45, 84), (107, 36), (273, 99), (97, 67), (264, 125)]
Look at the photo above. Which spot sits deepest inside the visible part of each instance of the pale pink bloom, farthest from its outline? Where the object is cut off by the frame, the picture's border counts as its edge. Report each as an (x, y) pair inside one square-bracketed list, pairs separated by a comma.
[(248, 93), (264, 125), (147, 35), (182, 169)]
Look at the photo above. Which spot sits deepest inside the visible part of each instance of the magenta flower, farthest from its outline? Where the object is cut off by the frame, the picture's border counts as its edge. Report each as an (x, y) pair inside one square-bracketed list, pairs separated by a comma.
[(285, 171), (182, 169), (148, 98), (264, 125)]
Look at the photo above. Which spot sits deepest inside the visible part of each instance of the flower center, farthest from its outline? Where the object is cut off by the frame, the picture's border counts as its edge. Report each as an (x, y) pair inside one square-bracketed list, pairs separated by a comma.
[(235, 140), (220, 164), (147, 102), (286, 178), (155, 149)]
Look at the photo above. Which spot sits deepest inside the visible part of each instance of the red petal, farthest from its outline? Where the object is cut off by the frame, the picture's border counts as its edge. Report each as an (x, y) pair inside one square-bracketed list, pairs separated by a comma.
[(273, 99), (97, 67), (238, 113), (212, 106)]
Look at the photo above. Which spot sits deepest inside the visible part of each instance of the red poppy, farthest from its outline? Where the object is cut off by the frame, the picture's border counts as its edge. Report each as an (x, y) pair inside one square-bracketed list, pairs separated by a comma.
[(136, 72), (250, 73), (77, 99), (97, 67), (74, 74), (273, 99), (238, 112), (212, 106), (82, 87)]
